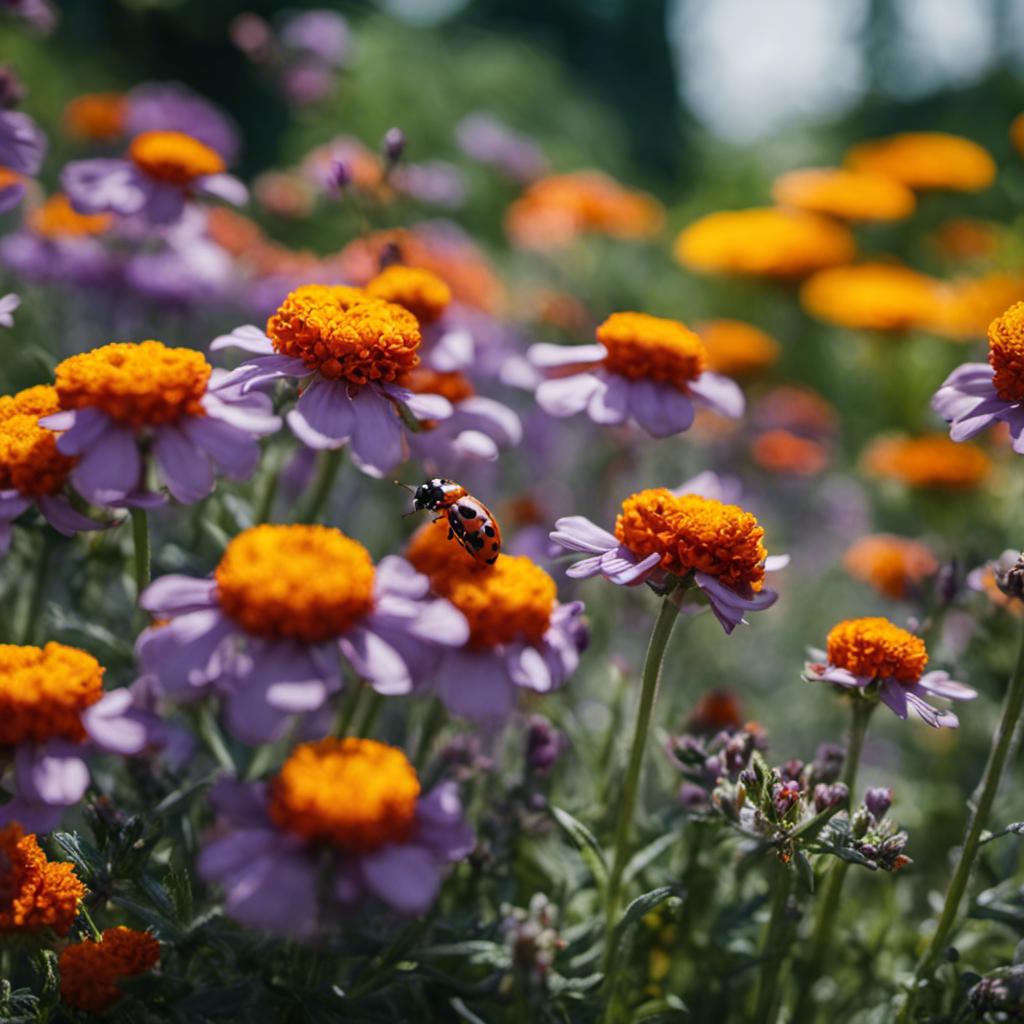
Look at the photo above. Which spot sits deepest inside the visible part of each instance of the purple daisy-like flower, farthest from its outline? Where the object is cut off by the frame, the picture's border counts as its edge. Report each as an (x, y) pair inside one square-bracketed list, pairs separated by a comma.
[(288, 606), (22, 143), (348, 351), (163, 171), (665, 542), (385, 840), (130, 398), (644, 368), (174, 107), (883, 662), (8, 304)]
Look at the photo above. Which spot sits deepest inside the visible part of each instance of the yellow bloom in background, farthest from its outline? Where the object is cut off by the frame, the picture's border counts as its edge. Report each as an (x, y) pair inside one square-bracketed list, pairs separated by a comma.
[(848, 195), (892, 565), (737, 349), (420, 291), (763, 242), (926, 160), (933, 461), (873, 296), (969, 305), (786, 453)]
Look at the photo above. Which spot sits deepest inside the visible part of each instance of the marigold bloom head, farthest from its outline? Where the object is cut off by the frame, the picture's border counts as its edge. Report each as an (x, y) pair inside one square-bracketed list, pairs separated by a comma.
[(29, 460), (139, 385), (872, 296), (355, 794), (308, 582), (34, 892), (640, 345), (344, 333), (933, 461), (968, 305), (875, 647), (780, 451), (694, 533), (764, 242), (926, 160), (420, 291), (737, 349), (56, 218), (96, 116), (174, 157), (454, 386), (90, 970), (848, 195), (43, 692), (889, 563), (1006, 353)]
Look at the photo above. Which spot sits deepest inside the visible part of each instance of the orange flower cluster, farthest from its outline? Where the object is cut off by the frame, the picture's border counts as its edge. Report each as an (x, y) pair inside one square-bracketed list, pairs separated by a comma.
[(934, 462), (89, 971), (892, 565), (926, 160), (34, 892), (737, 349), (844, 194)]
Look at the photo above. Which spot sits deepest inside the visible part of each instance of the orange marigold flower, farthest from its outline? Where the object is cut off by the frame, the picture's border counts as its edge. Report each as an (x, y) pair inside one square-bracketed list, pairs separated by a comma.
[(1006, 353), (56, 218), (926, 160), (174, 157), (969, 305), (764, 242), (848, 195), (737, 349), (34, 892), (933, 461), (96, 116), (420, 291), (872, 296), (643, 346), (716, 710), (875, 647), (29, 460), (780, 451), (452, 385), (889, 563), (90, 970)]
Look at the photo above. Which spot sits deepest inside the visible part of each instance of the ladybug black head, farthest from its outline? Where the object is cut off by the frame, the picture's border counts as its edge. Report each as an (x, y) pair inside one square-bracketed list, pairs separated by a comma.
[(428, 496)]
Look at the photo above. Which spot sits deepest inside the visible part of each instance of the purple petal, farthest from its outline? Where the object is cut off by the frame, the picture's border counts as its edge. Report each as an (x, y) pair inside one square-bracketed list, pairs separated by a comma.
[(660, 409), (718, 393), (894, 697), (50, 774), (110, 466), (440, 824), (452, 351), (248, 338), (222, 186), (180, 653), (165, 203), (561, 357), (12, 504), (174, 594), (81, 427), (109, 726), (472, 444), (623, 571), (395, 575), (104, 186), (941, 685), (492, 417), (933, 716), (236, 454), (586, 569), (376, 661), (528, 668), (324, 416), (405, 877), (477, 686), (565, 396), (580, 534), (187, 470), (610, 404), (62, 517), (376, 440)]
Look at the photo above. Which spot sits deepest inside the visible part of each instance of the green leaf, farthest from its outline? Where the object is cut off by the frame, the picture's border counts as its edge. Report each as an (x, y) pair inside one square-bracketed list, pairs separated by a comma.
[(81, 853), (650, 853), (639, 908), (477, 951), (803, 869), (583, 839)]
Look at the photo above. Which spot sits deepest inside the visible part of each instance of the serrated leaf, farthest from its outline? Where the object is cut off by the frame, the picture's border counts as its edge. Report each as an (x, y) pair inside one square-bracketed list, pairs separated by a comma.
[(583, 839), (639, 908), (80, 852), (478, 951)]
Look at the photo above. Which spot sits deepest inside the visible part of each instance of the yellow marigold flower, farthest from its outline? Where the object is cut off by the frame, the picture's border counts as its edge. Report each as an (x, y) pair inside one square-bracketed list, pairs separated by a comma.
[(420, 291), (933, 461), (889, 563), (29, 460), (344, 333), (308, 582), (89, 971), (34, 892), (137, 385), (57, 219), (764, 242), (96, 116), (737, 349), (926, 160), (872, 296), (43, 692), (875, 647), (511, 600), (1006, 353), (174, 157), (848, 195), (353, 793), (969, 305), (780, 451), (641, 345), (694, 533)]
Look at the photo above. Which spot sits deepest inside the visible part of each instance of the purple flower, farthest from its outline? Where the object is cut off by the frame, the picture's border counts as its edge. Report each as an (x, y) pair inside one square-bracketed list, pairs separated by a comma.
[(163, 171), (382, 840), (173, 107), (8, 304), (194, 422), (435, 182), (643, 368), (22, 143), (348, 395), (287, 606), (665, 542), (880, 661), (482, 137), (320, 33)]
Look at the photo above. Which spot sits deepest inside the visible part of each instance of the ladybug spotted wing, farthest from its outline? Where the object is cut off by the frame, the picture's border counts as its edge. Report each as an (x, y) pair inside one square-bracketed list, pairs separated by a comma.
[(472, 525)]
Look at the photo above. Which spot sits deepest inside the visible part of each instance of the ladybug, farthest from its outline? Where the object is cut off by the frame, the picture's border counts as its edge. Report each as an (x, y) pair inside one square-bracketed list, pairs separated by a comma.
[(469, 521)]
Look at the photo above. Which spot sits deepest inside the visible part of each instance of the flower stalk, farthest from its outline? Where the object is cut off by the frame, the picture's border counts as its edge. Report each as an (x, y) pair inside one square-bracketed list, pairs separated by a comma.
[(140, 537), (330, 463), (774, 948)]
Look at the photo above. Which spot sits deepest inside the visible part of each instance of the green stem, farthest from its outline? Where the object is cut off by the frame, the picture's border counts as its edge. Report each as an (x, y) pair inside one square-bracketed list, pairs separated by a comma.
[(348, 708), (371, 708), (989, 786), (774, 947), (38, 593), (330, 463), (209, 732), (89, 921), (140, 536), (433, 722), (828, 904), (648, 693), (268, 490)]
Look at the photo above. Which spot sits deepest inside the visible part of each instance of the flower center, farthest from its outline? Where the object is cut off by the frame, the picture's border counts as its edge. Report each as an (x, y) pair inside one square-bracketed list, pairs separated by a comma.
[(174, 157), (640, 345), (508, 601), (453, 386), (346, 334), (43, 692), (89, 970), (139, 385), (353, 793), (29, 460), (694, 533), (420, 291), (1006, 353), (877, 648), (97, 116), (33, 892), (56, 218), (308, 582)]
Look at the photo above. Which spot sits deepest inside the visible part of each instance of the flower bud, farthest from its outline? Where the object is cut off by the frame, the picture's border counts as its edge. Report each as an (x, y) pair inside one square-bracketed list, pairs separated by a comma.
[(394, 144), (878, 801)]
